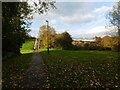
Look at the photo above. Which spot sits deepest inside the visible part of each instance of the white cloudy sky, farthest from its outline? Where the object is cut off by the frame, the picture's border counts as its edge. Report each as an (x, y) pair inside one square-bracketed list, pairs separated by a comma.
[(80, 19)]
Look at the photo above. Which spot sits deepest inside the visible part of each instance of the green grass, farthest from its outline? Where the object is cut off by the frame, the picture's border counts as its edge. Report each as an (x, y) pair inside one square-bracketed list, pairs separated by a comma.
[(82, 69), (15, 67), (27, 47)]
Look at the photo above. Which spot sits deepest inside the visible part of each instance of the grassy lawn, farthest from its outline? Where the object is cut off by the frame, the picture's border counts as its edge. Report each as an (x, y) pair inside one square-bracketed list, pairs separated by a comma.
[(27, 47), (82, 69), (15, 67)]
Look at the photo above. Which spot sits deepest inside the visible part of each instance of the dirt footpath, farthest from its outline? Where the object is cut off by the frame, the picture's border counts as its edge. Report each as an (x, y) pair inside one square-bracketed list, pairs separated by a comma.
[(35, 76)]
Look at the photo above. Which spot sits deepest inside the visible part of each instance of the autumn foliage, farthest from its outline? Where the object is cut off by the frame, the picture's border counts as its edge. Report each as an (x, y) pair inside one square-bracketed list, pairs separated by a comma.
[(100, 43), (50, 39)]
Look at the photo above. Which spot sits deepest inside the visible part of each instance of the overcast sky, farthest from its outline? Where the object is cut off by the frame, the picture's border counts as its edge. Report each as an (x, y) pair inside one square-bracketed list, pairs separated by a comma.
[(80, 19)]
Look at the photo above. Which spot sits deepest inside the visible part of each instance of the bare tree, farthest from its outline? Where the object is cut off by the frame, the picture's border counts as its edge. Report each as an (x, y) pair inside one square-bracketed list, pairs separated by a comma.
[(114, 17)]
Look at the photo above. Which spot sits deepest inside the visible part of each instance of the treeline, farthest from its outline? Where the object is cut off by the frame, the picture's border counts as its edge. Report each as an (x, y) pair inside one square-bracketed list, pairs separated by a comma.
[(109, 42), (105, 43), (49, 38)]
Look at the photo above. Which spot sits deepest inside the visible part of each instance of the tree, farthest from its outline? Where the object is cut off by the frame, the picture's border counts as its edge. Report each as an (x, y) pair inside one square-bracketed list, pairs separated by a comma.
[(47, 35), (15, 19), (114, 17), (63, 41), (115, 43), (13, 25), (42, 6), (98, 40), (106, 41)]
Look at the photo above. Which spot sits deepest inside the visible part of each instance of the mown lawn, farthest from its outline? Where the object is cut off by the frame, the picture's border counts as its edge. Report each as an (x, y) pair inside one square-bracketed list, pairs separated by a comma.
[(14, 68), (82, 69), (27, 47)]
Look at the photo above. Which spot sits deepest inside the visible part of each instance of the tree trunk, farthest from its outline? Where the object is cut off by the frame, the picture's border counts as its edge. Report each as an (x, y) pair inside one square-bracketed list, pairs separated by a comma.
[(118, 31)]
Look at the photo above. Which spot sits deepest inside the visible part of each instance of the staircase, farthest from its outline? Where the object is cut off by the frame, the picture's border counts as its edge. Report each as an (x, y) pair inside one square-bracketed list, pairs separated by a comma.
[(36, 45)]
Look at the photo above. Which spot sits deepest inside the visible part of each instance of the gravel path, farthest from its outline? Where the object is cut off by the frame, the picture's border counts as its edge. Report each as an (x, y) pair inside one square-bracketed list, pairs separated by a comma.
[(35, 76)]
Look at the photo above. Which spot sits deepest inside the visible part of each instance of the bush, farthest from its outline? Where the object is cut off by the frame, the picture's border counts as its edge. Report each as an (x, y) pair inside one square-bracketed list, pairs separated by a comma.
[(116, 48), (89, 47), (75, 47)]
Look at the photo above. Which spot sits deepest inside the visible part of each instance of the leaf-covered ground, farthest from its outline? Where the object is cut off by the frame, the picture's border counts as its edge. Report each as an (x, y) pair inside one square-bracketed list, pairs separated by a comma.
[(15, 67), (82, 69), (13, 70)]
